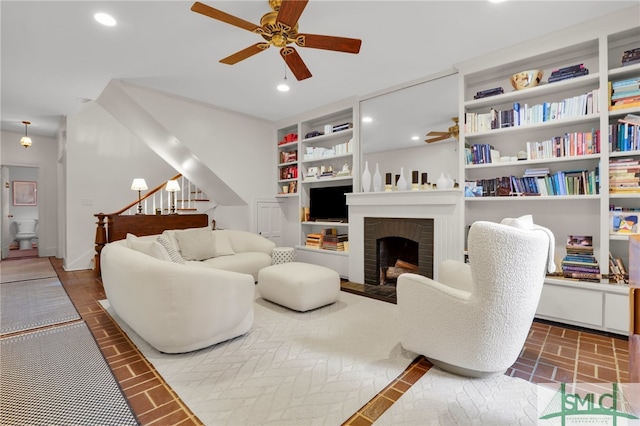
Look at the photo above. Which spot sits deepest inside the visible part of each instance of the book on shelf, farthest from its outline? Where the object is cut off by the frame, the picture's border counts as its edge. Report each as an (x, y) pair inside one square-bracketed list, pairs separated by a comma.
[(617, 270), (489, 92), (632, 119)]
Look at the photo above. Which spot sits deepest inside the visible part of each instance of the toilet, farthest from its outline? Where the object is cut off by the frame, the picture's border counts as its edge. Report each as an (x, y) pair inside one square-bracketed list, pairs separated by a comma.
[(26, 232)]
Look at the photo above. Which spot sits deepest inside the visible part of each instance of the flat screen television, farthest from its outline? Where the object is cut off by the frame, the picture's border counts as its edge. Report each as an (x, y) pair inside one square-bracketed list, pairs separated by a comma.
[(329, 203)]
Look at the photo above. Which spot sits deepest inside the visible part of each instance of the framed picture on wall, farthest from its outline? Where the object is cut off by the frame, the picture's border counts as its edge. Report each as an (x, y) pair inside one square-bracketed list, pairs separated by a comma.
[(24, 193)]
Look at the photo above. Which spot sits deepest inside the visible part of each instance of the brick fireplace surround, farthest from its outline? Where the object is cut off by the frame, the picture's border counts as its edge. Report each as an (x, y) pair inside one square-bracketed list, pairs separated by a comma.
[(443, 206), (419, 231)]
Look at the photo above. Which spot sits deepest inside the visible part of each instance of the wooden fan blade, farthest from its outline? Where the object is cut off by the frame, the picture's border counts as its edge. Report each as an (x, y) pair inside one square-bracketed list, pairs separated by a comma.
[(439, 138), (295, 63), (245, 53), (290, 11), (209, 11), (338, 44), (437, 133)]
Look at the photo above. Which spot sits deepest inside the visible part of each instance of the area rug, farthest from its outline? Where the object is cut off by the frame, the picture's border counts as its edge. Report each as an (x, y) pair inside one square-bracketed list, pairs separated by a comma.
[(292, 368), (26, 269), (25, 305), (441, 398), (58, 376)]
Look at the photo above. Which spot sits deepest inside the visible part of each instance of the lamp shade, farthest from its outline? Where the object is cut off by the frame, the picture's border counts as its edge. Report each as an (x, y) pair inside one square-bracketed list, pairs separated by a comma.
[(138, 184), (172, 186), (25, 141)]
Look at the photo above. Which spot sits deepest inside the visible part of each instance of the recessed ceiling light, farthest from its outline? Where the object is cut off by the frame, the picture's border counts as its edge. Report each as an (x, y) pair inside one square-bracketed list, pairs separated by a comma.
[(367, 119), (283, 87), (415, 138), (496, 1), (105, 19)]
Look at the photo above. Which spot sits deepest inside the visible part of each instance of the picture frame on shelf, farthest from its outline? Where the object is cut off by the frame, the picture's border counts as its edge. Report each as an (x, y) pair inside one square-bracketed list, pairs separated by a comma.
[(25, 193)]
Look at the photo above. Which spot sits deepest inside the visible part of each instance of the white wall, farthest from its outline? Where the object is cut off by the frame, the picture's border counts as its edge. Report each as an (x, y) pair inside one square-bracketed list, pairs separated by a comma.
[(103, 157), (42, 154), (239, 149)]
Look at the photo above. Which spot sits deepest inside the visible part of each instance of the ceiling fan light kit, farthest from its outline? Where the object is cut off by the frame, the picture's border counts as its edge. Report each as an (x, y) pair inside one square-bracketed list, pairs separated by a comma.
[(279, 28)]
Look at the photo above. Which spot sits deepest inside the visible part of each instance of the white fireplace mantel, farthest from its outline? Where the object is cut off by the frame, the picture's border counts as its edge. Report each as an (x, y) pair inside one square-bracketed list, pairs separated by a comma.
[(443, 206)]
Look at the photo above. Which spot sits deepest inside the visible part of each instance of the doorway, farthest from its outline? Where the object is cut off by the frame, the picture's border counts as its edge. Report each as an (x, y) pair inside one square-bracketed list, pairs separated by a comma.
[(19, 207)]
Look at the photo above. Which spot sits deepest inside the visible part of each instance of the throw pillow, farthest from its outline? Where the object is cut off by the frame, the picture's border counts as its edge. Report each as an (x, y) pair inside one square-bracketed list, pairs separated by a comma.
[(148, 247), (522, 222), (196, 244), (222, 244), (171, 250)]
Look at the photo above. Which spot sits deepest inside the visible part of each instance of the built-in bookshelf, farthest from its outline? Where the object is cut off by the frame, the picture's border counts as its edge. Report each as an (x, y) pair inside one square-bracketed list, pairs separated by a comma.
[(324, 157), (546, 151)]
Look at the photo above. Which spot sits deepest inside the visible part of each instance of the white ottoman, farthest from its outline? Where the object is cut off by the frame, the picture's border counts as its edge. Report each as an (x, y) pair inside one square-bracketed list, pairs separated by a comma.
[(299, 286)]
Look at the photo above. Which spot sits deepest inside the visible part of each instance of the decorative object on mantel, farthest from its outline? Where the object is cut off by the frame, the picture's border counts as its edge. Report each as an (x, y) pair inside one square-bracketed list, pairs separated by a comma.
[(442, 182), (366, 178), (388, 187), (424, 181), (414, 180), (377, 180), (402, 182)]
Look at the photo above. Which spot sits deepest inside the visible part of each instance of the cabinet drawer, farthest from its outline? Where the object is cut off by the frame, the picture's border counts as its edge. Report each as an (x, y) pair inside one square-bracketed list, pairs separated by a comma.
[(616, 308), (571, 304)]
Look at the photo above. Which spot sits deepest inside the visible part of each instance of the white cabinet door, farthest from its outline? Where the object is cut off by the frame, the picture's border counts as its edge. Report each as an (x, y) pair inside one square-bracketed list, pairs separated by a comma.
[(269, 218)]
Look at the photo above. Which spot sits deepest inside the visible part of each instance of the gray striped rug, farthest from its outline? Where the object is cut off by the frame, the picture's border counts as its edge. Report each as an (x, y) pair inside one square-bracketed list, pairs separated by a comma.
[(58, 376), (26, 305)]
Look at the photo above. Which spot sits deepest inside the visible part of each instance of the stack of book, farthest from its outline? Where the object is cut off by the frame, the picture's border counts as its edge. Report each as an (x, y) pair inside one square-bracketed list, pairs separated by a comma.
[(624, 93), (333, 241), (314, 241), (624, 176), (580, 263), (568, 72), (630, 57)]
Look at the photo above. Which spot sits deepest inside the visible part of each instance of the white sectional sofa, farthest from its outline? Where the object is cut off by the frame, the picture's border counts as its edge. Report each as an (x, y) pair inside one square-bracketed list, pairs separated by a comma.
[(177, 304)]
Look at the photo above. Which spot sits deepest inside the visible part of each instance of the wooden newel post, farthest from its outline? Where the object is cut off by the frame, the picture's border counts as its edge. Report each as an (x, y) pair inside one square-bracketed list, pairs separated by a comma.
[(101, 240)]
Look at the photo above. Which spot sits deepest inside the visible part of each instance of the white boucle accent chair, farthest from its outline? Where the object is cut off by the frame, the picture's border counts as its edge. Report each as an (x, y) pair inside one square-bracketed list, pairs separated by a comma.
[(475, 320)]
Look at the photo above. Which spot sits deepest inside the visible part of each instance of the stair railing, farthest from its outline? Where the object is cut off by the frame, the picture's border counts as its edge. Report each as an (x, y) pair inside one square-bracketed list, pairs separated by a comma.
[(106, 220)]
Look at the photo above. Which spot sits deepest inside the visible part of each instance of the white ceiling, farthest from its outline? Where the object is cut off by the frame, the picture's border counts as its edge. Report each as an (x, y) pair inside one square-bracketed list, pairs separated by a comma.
[(54, 54)]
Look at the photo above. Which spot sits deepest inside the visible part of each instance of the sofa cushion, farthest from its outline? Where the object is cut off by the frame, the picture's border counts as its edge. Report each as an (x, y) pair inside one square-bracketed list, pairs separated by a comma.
[(196, 244), (149, 247), (246, 263), (222, 244), (174, 255)]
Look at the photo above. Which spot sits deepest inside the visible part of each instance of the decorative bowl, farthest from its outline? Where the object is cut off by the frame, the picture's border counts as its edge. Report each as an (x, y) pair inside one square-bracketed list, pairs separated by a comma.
[(526, 79)]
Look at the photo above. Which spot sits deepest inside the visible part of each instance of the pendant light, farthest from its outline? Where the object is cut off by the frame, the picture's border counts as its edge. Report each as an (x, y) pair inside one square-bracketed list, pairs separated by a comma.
[(25, 140), (283, 87)]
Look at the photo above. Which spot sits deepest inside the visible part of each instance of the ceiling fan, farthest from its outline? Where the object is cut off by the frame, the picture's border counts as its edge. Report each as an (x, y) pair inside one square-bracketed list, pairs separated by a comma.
[(279, 28), (453, 132)]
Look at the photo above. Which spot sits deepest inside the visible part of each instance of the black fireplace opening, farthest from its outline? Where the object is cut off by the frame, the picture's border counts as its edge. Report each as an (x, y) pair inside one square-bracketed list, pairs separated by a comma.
[(393, 246), (396, 255)]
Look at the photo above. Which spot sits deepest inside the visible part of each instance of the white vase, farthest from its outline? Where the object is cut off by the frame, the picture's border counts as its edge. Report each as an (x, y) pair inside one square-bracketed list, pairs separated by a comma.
[(366, 178), (450, 182), (377, 180), (402, 182), (442, 182)]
